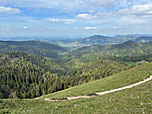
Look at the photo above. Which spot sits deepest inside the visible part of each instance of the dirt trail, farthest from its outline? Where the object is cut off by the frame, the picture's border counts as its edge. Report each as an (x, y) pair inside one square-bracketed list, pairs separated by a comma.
[(100, 93)]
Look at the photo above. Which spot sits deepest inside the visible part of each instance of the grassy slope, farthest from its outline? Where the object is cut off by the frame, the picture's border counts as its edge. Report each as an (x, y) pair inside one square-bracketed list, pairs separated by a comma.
[(136, 100), (124, 78)]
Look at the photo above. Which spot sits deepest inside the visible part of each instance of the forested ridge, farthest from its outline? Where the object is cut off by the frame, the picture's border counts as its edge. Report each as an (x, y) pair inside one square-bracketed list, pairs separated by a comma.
[(128, 51), (22, 75), (33, 47), (129, 48)]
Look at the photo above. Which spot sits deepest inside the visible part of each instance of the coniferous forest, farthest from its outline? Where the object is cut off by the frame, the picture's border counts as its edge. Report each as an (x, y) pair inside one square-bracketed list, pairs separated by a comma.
[(27, 76)]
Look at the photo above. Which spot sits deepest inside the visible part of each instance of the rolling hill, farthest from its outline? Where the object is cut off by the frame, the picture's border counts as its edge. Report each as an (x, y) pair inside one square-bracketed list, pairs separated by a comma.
[(143, 39), (126, 51), (94, 40), (33, 47)]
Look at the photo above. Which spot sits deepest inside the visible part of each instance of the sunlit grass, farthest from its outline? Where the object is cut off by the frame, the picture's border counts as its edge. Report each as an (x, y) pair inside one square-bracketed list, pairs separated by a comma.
[(122, 79), (137, 100)]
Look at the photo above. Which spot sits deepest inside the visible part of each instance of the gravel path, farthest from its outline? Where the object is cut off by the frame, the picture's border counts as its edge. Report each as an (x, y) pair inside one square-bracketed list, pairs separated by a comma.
[(100, 93)]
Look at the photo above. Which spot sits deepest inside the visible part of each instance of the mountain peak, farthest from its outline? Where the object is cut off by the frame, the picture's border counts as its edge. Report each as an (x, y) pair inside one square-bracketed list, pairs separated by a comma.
[(130, 42), (99, 36)]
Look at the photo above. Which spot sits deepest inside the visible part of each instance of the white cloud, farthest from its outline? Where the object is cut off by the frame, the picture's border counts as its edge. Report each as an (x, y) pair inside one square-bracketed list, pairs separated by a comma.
[(25, 27), (94, 14), (90, 28), (138, 10), (84, 16), (62, 5), (8, 10), (97, 15), (73, 5), (67, 21)]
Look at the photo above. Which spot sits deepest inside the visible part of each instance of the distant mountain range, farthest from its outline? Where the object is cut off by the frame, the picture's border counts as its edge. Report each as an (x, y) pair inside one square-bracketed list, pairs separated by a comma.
[(133, 35), (104, 40), (88, 41)]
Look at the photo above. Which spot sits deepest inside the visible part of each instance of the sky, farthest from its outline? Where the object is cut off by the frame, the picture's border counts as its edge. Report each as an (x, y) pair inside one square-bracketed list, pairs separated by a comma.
[(74, 18)]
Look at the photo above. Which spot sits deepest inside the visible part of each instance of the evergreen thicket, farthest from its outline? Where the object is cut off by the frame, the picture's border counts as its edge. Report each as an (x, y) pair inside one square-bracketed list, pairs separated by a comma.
[(24, 75)]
